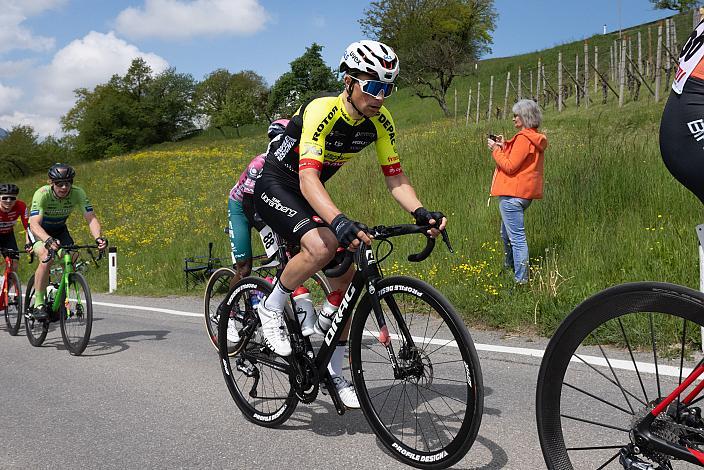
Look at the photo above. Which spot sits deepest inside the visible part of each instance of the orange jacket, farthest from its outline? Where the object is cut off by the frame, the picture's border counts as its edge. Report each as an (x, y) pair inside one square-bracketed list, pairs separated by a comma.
[(519, 166)]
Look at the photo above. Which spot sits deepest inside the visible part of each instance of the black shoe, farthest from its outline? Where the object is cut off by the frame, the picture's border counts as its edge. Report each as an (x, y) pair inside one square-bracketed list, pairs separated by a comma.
[(41, 313)]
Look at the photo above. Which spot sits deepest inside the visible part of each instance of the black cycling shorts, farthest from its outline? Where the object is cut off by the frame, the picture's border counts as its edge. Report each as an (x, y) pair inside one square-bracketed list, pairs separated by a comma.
[(61, 234), (7, 240), (282, 206), (682, 136)]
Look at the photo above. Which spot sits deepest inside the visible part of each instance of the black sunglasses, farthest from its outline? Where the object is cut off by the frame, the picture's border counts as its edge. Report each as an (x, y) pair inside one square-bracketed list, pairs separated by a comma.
[(8, 198)]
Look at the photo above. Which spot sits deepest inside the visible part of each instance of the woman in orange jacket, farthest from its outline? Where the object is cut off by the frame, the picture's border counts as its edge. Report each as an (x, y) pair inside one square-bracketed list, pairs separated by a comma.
[(518, 179)]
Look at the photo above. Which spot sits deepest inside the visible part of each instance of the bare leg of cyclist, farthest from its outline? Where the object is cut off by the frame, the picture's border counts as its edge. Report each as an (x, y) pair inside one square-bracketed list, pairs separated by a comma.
[(317, 249), (242, 269), (41, 280)]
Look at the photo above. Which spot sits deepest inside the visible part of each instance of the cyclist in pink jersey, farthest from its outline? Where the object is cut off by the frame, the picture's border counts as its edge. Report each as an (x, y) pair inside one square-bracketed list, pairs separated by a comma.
[(240, 208)]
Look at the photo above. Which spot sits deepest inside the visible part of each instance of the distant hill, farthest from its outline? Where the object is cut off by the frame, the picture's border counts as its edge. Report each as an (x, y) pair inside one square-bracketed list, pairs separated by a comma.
[(3, 133)]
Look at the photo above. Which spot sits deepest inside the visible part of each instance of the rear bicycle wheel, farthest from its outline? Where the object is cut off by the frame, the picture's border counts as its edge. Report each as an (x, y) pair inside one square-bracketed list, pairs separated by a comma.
[(13, 307), (215, 294), (257, 378), (76, 314), (610, 361), (426, 413), (36, 330)]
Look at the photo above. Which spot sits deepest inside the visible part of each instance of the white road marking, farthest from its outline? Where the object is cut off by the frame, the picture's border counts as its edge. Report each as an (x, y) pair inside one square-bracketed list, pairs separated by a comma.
[(643, 367)]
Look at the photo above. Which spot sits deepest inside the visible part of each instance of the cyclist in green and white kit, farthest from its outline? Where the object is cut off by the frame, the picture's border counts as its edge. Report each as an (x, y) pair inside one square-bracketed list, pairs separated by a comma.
[(51, 206)]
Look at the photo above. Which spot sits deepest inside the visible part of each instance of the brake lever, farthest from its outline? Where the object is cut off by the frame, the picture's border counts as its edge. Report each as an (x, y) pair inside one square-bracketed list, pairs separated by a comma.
[(446, 239), (49, 255)]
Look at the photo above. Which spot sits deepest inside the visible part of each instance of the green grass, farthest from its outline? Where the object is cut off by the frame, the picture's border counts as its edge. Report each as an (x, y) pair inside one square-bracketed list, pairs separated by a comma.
[(611, 212)]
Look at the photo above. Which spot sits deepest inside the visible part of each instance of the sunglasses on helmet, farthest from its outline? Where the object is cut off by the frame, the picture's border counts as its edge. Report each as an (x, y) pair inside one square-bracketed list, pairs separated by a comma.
[(374, 87)]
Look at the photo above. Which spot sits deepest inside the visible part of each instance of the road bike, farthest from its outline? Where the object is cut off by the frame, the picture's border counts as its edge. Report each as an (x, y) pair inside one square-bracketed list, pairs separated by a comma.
[(11, 298), (412, 360), (621, 379), (69, 301), (263, 265)]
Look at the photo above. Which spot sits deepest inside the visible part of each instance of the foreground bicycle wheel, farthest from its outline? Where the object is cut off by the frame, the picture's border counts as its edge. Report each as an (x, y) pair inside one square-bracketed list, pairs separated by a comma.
[(76, 314), (13, 309), (428, 413), (215, 293), (257, 378), (609, 363), (36, 330)]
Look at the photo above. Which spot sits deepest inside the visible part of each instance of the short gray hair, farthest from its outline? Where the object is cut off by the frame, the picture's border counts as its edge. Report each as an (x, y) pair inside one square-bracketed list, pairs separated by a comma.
[(529, 112)]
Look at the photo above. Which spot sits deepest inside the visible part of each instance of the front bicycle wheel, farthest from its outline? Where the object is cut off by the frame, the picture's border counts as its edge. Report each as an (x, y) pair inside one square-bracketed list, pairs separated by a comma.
[(418, 377), (608, 364), (36, 330), (215, 295), (257, 378), (76, 314), (13, 306)]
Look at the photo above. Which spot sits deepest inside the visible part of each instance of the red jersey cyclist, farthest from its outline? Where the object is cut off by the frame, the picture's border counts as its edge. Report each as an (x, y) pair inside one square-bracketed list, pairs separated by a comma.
[(51, 206), (290, 196), (12, 209)]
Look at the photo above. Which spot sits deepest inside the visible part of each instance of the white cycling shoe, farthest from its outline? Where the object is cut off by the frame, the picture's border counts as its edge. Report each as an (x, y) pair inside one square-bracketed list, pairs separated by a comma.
[(346, 391), (233, 335), (274, 330)]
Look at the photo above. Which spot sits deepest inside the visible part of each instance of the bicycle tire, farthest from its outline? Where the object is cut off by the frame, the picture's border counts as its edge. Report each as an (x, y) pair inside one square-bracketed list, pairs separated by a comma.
[(603, 388), (13, 307), (76, 314), (259, 382), (36, 330), (216, 292), (447, 378)]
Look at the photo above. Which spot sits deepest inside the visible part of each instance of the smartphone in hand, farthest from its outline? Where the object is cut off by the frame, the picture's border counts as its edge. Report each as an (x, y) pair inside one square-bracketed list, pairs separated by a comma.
[(493, 137)]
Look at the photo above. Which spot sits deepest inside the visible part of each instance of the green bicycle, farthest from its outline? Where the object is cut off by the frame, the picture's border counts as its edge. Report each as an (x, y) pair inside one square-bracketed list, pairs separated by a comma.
[(69, 299)]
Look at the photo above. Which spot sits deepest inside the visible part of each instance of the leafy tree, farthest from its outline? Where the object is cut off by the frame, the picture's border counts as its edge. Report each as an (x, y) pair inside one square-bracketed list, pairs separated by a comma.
[(309, 76), (436, 40), (22, 154), (678, 5), (232, 99), (131, 112), (211, 93)]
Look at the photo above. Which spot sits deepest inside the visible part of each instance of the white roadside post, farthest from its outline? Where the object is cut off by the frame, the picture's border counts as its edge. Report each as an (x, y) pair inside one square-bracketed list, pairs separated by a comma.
[(112, 269)]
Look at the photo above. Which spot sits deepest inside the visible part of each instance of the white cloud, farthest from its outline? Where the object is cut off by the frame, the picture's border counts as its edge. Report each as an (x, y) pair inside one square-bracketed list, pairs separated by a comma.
[(15, 36), (14, 68), (85, 63), (42, 125), (171, 19), (8, 97)]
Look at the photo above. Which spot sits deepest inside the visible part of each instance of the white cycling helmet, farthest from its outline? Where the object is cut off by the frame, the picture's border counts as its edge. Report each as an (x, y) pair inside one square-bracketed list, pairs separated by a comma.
[(372, 57)]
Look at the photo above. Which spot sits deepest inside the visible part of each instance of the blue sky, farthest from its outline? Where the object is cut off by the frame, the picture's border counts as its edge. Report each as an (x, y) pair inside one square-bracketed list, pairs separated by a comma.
[(50, 47)]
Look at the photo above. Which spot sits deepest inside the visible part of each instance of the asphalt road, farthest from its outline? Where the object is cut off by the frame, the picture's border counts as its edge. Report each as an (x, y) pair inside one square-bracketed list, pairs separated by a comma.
[(148, 393)]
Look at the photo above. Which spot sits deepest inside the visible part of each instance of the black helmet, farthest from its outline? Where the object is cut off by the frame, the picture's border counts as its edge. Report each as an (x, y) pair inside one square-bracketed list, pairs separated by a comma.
[(9, 188), (277, 127), (61, 172)]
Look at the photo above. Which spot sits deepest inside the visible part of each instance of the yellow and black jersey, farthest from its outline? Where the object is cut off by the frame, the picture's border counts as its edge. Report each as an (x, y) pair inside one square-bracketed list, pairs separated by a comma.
[(323, 136)]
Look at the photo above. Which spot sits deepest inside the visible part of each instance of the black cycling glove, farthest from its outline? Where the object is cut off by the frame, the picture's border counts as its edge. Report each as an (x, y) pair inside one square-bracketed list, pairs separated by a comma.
[(346, 230), (423, 216)]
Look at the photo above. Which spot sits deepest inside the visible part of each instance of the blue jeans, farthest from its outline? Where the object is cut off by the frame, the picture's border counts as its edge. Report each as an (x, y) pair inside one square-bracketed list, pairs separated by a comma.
[(513, 234)]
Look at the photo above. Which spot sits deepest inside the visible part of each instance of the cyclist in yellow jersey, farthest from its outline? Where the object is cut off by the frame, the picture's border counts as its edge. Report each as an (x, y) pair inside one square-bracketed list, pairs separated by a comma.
[(290, 196)]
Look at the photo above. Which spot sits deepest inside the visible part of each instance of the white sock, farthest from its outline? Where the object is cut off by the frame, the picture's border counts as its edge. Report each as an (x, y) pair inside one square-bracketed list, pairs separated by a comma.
[(278, 297), (335, 364)]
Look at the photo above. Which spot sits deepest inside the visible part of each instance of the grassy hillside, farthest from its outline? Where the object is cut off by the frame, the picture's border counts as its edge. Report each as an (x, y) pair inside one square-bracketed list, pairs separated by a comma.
[(611, 211)]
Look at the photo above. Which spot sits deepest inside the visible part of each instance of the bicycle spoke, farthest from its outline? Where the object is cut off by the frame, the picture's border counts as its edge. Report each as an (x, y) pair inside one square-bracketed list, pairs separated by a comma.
[(633, 359), (608, 461), (587, 421), (613, 372), (655, 354), (597, 398), (611, 381)]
